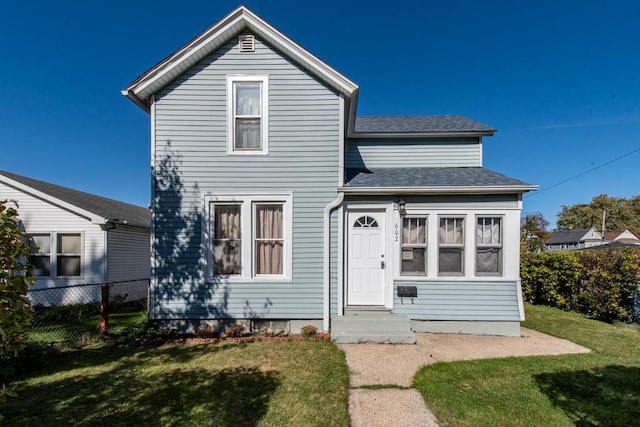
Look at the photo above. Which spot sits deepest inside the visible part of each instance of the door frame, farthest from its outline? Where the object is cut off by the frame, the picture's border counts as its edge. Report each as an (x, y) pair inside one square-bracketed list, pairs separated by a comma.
[(387, 274)]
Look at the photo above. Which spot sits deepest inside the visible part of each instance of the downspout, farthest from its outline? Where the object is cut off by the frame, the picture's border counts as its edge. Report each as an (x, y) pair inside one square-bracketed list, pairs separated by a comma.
[(326, 311)]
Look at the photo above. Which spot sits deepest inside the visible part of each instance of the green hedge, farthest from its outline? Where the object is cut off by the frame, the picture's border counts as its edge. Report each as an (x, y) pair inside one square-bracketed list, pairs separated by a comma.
[(601, 283)]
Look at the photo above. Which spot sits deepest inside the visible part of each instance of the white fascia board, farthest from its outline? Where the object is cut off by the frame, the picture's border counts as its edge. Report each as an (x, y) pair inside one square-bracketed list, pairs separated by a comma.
[(173, 66), (95, 219), (437, 190), (370, 135)]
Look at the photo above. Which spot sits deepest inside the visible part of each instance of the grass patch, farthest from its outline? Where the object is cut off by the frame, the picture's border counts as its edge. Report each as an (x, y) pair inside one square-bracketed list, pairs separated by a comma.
[(596, 389), (263, 384)]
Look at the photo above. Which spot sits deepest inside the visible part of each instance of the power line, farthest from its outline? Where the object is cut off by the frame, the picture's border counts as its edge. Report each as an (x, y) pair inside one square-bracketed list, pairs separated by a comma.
[(583, 173)]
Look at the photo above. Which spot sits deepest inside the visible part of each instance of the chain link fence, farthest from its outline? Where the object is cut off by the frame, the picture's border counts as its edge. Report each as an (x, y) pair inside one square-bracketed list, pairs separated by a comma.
[(87, 312)]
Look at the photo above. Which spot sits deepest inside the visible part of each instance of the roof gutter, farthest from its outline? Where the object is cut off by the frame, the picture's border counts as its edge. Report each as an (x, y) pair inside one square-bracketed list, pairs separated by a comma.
[(438, 190), (454, 134), (146, 106)]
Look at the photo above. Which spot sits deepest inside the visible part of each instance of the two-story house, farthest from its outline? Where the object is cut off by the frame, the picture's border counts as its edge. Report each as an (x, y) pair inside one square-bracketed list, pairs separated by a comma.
[(275, 205)]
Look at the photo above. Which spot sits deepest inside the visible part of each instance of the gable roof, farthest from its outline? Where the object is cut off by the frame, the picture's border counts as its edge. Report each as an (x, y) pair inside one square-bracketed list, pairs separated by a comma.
[(241, 19), (98, 209), (476, 180), (569, 236), (419, 125), (617, 235)]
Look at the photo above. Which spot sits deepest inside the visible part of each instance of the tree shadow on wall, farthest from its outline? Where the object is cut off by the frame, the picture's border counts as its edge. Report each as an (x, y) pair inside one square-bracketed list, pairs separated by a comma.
[(607, 396), (180, 289)]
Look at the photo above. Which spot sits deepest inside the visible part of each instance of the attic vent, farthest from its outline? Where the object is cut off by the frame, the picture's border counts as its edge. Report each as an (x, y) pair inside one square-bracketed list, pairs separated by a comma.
[(247, 43)]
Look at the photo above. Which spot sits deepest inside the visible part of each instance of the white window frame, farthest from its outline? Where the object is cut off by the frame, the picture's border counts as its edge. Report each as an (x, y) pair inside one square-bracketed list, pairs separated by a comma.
[(53, 253), (264, 113), (462, 245), (247, 203), (481, 245), (425, 245)]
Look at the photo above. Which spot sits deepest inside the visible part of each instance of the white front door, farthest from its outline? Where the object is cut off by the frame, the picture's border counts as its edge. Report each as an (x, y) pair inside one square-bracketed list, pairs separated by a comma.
[(365, 284)]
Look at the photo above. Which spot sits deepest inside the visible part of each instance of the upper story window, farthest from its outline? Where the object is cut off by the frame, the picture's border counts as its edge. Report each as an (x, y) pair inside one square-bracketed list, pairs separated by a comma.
[(248, 118)]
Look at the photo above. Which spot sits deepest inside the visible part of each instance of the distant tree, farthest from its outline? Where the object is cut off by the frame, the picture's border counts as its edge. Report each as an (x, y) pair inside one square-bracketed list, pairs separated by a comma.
[(533, 232), (15, 279), (621, 214)]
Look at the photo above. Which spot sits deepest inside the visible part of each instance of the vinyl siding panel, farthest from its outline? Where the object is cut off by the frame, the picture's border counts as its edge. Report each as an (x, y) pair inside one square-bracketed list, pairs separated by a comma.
[(128, 254), (386, 153), (39, 216), (191, 160), (469, 301)]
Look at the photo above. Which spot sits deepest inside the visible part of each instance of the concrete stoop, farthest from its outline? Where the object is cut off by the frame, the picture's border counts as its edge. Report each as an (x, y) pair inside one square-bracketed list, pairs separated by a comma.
[(365, 325)]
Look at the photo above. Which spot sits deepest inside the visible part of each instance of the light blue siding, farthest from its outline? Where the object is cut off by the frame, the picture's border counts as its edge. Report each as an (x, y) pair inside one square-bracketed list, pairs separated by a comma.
[(428, 152), (472, 301), (191, 159)]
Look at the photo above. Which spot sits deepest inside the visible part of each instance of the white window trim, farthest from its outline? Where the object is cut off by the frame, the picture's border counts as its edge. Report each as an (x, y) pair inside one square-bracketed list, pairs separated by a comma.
[(53, 254), (247, 202), (475, 249), (264, 113), (463, 245), (425, 246)]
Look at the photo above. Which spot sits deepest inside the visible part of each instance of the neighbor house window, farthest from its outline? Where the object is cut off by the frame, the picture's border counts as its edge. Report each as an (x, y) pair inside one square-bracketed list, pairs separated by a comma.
[(248, 114), (414, 246), (250, 236), (40, 257), (68, 255), (227, 242), (489, 245), (451, 246)]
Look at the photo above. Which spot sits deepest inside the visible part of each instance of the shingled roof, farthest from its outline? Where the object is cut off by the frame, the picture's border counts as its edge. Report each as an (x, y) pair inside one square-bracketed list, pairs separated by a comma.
[(445, 177), (420, 124), (567, 236), (109, 209)]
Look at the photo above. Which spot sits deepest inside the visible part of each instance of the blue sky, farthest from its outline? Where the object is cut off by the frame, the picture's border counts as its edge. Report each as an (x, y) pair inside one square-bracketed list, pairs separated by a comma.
[(560, 80)]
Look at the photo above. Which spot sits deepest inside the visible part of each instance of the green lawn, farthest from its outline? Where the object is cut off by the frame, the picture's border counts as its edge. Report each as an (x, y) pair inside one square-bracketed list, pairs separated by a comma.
[(264, 384), (601, 388)]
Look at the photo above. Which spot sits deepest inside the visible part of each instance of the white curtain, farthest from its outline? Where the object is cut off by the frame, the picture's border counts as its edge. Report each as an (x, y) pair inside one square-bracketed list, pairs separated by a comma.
[(488, 241), (413, 231), (269, 239), (227, 244)]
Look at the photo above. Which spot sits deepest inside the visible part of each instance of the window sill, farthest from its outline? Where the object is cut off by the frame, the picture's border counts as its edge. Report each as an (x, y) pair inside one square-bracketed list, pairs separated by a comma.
[(248, 280)]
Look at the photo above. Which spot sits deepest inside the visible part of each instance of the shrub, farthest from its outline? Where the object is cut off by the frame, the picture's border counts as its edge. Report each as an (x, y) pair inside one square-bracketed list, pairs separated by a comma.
[(235, 331), (309, 331), (602, 283), (205, 332)]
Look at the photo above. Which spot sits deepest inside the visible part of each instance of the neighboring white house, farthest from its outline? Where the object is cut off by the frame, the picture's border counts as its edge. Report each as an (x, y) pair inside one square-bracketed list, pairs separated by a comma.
[(578, 238), (82, 238)]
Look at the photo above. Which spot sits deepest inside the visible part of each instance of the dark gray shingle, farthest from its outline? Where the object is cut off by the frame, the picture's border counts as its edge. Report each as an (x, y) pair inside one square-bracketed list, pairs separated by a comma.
[(567, 236), (418, 124), (101, 206), (429, 177)]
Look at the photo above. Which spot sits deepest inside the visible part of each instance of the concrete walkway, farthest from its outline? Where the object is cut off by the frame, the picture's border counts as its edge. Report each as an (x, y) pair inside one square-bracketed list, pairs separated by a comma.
[(396, 364)]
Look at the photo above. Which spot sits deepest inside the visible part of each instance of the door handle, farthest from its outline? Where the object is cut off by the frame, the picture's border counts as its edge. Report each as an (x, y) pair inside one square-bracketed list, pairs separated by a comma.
[(382, 264)]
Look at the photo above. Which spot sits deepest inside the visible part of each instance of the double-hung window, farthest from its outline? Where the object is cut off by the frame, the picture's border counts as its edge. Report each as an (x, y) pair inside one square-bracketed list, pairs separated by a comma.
[(40, 256), (414, 246), (451, 246), (250, 236), (58, 252), (489, 246), (247, 116)]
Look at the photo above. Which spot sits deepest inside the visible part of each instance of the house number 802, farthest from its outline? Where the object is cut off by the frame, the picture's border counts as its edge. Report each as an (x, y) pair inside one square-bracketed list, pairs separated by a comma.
[(396, 232)]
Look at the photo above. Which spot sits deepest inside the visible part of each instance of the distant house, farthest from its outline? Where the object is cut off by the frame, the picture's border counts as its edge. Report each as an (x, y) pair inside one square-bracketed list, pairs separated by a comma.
[(621, 236), (276, 205), (578, 238), (82, 238)]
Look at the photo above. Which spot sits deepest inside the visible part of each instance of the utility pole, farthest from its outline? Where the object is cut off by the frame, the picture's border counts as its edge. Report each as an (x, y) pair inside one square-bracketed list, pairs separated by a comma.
[(604, 216)]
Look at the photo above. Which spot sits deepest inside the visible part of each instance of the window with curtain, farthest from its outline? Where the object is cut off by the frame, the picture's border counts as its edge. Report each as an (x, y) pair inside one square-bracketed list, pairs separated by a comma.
[(489, 245), (227, 240), (269, 239), (451, 246), (414, 246), (40, 254), (248, 115), (68, 256)]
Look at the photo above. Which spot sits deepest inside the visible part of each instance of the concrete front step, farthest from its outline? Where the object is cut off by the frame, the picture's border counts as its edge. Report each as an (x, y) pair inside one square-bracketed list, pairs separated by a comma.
[(371, 326)]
